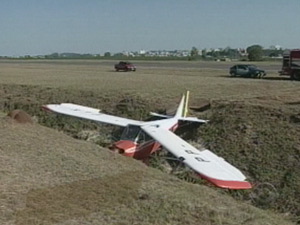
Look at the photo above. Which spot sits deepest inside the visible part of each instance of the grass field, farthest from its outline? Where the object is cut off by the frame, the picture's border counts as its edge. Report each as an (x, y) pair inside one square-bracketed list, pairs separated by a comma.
[(204, 79), (254, 125)]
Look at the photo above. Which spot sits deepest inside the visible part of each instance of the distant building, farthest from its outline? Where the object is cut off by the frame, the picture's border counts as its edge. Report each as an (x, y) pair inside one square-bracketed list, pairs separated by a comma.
[(142, 52), (275, 47), (242, 52)]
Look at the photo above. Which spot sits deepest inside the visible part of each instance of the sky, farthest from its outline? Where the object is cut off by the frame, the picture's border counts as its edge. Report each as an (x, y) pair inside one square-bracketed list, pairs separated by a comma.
[(39, 27)]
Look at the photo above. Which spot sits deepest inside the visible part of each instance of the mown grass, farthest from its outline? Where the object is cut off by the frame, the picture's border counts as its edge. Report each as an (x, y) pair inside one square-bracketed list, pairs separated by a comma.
[(205, 80)]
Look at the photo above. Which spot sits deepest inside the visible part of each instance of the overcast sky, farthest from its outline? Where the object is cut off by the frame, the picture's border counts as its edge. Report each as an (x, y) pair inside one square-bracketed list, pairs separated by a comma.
[(36, 27)]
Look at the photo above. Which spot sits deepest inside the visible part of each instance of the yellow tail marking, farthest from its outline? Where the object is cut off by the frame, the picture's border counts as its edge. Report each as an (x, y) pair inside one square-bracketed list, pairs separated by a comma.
[(186, 103)]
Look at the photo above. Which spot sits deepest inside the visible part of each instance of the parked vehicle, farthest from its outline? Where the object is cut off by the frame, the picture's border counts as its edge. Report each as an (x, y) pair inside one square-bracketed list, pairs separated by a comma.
[(291, 64), (247, 71), (125, 66)]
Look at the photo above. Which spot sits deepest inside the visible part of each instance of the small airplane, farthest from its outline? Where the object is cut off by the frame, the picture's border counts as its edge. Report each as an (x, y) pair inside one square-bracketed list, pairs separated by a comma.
[(142, 138)]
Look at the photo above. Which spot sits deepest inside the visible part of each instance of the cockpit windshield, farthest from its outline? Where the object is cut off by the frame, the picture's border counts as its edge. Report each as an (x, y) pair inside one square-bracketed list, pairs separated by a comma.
[(135, 134), (130, 133)]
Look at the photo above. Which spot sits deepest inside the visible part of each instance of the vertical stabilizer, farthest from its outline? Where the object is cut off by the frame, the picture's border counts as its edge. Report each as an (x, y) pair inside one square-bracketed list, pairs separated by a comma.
[(186, 103), (182, 108)]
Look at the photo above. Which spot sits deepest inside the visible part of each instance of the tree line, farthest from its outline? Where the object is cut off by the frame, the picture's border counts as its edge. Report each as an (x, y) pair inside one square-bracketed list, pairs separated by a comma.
[(251, 53)]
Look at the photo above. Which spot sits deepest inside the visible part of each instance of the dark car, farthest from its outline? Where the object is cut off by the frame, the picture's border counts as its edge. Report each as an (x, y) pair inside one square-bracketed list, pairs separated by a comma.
[(247, 71), (125, 66)]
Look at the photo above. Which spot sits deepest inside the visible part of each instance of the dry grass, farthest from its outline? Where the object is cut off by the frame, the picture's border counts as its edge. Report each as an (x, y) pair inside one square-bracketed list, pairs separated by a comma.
[(49, 178)]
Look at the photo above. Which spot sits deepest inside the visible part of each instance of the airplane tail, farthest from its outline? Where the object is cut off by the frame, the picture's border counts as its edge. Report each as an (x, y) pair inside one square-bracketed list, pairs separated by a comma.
[(182, 111), (182, 108)]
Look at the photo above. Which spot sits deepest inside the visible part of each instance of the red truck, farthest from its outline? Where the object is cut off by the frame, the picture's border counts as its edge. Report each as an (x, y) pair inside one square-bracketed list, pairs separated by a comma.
[(291, 64)]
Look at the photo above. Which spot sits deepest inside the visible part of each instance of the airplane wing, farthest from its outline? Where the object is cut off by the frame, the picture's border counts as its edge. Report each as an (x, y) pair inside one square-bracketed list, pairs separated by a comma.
[(206, 164), (89, 113)]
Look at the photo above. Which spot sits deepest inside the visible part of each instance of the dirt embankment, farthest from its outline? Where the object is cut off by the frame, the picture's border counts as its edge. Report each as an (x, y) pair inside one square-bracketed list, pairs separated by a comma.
[(260, 137), (48, 177)]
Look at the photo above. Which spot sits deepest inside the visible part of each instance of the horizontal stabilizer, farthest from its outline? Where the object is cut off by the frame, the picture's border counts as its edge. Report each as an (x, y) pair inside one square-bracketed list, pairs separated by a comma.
[(193, 119), (160, 115)]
